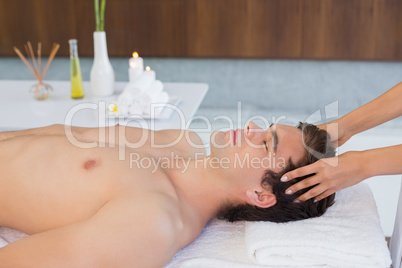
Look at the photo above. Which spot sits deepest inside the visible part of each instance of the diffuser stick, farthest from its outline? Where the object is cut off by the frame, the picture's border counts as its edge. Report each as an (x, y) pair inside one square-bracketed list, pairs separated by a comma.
[(52, 54), (32, 54), (40, 58), (26, 62)]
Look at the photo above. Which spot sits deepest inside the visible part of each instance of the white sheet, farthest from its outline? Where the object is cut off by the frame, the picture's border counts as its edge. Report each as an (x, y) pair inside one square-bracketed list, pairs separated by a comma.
[(8, 236)]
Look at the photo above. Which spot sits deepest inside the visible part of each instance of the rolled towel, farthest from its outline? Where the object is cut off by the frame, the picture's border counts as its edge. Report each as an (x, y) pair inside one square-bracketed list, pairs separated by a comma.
[(151, 94), (133, 92), (159, 104), (142, 82), (134, 100), (124, 101), (347, 235), (131, 88), (139, 85), (137, 108)]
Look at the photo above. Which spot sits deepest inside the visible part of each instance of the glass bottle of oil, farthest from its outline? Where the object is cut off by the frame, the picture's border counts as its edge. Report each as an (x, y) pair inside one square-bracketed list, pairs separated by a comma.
[(77, 91)]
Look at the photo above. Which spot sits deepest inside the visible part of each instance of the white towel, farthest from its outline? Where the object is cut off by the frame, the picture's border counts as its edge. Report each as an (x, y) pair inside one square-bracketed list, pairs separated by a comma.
[(132, 93), (150, 96), (347, 235), (152, 93), (140, 84), (124, 101), (138, 97)]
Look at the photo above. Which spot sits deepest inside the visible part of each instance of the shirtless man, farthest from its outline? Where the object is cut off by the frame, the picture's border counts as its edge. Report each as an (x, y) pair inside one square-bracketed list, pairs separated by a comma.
[(90, 207)]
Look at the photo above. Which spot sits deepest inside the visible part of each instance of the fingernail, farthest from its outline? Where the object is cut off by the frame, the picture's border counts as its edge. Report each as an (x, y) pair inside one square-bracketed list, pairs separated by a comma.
[(289, 192), (284, 178), (296, 201)]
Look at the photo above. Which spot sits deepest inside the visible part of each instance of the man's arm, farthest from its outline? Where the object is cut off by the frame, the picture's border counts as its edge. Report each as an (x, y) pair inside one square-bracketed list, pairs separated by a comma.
[(48, 130), (122, 233), (55, 129), (186, 142)]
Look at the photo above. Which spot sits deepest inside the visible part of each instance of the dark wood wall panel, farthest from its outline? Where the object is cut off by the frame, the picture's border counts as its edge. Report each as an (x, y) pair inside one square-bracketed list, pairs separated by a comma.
[(39, 20), (239, 28), (388, 41), (295, 29), (357, 29)]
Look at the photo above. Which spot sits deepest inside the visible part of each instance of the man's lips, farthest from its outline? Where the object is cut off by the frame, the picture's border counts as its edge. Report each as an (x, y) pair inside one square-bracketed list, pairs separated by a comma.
[(234, 136)]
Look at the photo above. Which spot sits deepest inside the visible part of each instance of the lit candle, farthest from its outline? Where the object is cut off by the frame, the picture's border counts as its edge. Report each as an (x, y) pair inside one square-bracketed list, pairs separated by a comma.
[(150, 73), (136, 67)]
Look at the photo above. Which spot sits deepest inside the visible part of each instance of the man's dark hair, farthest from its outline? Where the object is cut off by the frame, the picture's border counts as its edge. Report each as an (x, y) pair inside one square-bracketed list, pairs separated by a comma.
[(317, 143)]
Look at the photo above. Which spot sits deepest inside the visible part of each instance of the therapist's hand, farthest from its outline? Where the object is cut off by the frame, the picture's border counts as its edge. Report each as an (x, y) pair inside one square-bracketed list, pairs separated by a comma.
[(330, 175), (338, 134)]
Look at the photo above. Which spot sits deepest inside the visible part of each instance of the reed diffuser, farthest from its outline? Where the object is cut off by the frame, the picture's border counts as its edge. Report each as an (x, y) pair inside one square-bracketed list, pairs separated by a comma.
[(102, 74), (40, 90), (100, 15)]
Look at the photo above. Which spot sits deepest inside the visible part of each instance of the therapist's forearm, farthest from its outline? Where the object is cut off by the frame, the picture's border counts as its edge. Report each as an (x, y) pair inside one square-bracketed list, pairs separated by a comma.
[(382, 161), (380, 110)]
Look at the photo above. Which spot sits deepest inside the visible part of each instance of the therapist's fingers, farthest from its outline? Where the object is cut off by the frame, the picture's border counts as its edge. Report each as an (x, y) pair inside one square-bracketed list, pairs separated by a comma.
[(306, 183), (317, 193), (299, 172), (325, 194)]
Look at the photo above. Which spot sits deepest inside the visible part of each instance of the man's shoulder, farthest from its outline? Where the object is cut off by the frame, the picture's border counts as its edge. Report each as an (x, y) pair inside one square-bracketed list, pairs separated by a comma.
[(159, 216), (151, 222), (176, 222), (157, 210), (125, 231)]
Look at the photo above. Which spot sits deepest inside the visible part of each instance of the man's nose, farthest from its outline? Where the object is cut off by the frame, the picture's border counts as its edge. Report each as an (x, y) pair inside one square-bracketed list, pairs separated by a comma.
[(253, 131)]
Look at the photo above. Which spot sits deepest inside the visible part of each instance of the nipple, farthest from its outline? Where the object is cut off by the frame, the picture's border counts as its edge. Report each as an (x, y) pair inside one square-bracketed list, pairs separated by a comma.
[(89, 164)]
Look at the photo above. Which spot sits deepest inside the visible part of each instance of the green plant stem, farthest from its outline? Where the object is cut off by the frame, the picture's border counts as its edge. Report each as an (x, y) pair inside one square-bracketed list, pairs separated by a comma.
[(102, 15), (97, 19)]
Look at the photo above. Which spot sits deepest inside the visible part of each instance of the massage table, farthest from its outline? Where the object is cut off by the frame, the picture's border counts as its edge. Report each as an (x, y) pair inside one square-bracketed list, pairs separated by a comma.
[(347, 235), (396, 239)]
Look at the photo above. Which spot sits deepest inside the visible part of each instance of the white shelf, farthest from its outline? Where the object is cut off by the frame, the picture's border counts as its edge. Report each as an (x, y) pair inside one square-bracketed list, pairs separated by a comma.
[(19, 110)]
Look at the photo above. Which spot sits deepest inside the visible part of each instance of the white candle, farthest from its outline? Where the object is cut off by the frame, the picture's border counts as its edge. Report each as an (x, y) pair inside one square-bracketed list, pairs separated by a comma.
[(136, 67), (149, 73)]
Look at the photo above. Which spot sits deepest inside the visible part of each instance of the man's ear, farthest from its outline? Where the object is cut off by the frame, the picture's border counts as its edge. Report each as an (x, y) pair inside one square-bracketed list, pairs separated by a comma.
[(262, 199)]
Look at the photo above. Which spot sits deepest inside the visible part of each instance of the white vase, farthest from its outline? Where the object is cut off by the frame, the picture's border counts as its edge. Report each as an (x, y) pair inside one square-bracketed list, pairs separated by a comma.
[(102, 75)]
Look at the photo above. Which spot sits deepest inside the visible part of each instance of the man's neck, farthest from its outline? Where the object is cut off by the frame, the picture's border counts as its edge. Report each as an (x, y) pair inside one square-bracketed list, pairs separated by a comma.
[(202, 187)]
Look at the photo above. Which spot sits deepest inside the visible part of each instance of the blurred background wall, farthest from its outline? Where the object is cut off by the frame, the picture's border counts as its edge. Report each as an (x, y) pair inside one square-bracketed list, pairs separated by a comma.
[(285, 29)]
